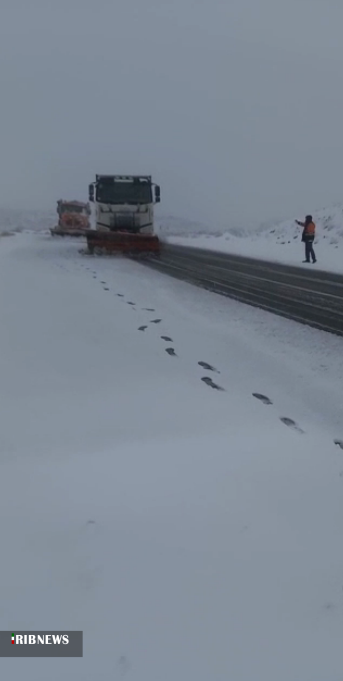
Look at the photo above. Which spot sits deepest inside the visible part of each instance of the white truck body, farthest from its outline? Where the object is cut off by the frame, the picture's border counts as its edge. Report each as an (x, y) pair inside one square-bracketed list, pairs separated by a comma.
[(124, 203)]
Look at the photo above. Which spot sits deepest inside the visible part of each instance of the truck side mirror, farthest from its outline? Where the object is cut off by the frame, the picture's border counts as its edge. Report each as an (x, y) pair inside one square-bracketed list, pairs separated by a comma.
[(91, 192), (157, 194)]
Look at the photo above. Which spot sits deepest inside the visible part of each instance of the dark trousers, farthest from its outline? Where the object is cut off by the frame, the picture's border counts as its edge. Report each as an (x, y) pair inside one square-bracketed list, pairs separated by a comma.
[(309, 252)]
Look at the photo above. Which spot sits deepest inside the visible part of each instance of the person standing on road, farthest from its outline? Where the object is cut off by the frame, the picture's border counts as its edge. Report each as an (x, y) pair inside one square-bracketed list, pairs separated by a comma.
[(309, 232)]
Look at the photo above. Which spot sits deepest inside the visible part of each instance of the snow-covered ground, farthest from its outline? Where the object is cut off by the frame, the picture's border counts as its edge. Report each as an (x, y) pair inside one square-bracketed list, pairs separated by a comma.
[(188, 531), (280, 242)]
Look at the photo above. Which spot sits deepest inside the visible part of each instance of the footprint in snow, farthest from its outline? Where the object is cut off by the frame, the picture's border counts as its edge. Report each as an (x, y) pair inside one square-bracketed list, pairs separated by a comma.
[(142, 328), (155, 321), (120, 295), (106, 289), (148, 309), (329, 606), (104, 282), (339, 443), (171, 352), (263, 398), (130, 303), (290, 423), (209, 382), (167, 338), (123, 665), (209, 367)]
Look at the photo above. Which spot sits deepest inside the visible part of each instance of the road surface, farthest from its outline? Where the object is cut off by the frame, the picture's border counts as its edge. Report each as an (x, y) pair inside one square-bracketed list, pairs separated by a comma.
[(310, 296)]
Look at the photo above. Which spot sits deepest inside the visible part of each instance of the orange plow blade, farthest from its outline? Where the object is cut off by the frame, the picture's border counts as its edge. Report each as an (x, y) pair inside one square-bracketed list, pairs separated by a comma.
[(122, 242)]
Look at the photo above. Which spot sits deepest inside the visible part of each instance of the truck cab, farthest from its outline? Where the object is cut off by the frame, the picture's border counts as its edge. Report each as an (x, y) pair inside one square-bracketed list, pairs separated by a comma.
[(73, 218), (124, 203)]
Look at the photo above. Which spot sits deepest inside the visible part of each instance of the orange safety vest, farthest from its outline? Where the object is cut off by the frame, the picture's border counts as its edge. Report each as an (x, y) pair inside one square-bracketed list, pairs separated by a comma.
[(310, 229)]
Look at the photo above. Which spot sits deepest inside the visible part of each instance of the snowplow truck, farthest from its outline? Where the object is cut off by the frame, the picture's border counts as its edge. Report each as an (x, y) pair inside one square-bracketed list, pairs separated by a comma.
[(124, 213), (73, 218)]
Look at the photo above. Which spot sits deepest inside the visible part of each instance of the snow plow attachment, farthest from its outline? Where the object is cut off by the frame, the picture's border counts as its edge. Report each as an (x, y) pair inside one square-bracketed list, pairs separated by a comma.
[(60, 231), (122, 242)]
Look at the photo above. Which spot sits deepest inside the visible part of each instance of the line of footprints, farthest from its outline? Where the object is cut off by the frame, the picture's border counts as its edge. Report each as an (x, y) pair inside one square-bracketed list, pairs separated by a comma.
[(208, 367)]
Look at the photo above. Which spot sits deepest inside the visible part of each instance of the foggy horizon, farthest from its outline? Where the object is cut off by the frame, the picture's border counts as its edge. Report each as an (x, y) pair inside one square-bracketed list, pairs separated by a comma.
[(234, 108)]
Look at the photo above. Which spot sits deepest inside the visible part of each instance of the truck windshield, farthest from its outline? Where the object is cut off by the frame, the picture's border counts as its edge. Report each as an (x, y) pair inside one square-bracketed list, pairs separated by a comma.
[(123, 192)]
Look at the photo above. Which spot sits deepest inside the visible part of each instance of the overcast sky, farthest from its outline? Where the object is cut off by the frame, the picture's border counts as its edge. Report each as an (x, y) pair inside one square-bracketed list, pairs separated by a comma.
[(234, 106)]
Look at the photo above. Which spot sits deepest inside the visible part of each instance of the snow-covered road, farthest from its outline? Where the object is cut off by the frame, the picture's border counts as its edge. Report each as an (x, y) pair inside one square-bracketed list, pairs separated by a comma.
[(188, 531)]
